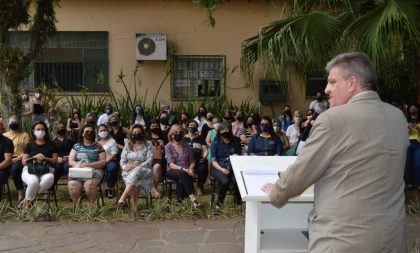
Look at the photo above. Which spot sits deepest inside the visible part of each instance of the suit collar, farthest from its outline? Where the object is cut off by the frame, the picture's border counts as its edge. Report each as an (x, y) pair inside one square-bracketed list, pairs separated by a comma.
[(366, 95)]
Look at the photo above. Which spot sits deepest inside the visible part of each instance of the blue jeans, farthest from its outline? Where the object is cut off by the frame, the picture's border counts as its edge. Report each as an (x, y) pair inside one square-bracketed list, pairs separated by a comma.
[(412, 165), (111, 170), (60, 170)]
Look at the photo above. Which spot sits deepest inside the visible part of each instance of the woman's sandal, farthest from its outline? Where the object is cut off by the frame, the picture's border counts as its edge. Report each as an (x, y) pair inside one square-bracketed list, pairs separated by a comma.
[(196, 204)]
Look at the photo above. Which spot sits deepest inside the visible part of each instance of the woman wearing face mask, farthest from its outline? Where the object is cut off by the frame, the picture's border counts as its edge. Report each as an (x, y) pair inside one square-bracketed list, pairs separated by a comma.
[(26, 109), (74, 123), (19, 139), (201, 118), (181, 163), (207, 126), (164, 125), (136, 165), (293, 132), (282, 136), (38, 108), (265, 143), (246, 132), (42, 150), (86, 154), (184, 117), (111, 153), (63, 146), (286, 118), (238, 123), (118, 132), (139, 118), (224, 146), (199, 147)]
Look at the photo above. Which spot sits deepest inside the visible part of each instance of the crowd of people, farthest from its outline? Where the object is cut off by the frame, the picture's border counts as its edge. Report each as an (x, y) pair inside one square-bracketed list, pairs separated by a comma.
[(184, 149)]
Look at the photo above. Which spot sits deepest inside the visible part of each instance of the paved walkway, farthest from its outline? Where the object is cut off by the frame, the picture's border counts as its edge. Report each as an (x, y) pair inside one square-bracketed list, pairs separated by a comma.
[(183, 236)]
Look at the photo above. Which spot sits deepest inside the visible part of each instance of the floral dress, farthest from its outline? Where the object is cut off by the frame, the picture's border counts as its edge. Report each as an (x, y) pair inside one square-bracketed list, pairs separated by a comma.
[(142, 175)]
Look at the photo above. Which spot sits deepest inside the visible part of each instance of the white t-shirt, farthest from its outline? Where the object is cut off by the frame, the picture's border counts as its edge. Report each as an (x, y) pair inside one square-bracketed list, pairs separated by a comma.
[(293, 134), (110, 147), (103, 119)]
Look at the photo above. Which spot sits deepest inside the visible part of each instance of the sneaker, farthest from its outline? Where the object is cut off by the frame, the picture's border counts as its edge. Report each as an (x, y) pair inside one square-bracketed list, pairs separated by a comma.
[(110, 193)]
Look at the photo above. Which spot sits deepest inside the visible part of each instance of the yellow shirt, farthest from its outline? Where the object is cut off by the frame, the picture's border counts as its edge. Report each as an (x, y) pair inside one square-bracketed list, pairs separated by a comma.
[(19, 139), (414, 133)]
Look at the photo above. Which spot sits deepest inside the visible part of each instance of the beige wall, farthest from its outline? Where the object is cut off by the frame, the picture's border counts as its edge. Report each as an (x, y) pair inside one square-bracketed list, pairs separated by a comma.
[(183, 23)]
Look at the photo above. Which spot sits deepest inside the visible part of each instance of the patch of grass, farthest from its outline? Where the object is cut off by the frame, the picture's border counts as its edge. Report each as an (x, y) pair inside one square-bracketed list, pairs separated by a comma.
[(412, 206)]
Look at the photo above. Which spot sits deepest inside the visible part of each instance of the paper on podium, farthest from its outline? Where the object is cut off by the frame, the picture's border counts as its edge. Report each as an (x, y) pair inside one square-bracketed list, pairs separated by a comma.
[(256, 176)]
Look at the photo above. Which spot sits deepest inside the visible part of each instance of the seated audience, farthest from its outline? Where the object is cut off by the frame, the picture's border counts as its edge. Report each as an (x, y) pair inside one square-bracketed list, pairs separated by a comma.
[(63, 145), (278, 130), (90, 155), (39, 150), (246, 132), (74, 123), (159, 162), (181, 163), (136, 165)]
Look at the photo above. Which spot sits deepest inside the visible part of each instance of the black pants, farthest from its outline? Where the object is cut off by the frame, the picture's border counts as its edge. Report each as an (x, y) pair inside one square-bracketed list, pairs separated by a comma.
[(4, 176), (16, 171), (184, 186), (225, 182), (202, 172), (60, 170)]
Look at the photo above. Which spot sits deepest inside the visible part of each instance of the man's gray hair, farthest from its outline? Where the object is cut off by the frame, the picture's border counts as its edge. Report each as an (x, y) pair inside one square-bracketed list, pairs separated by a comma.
[(357, 64), (225, 125)]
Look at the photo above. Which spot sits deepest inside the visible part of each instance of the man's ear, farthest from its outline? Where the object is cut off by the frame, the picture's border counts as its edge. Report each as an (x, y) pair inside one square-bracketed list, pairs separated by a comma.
[(353, 83)]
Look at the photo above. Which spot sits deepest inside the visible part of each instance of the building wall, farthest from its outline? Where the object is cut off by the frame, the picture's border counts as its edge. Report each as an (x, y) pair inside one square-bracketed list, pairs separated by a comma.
[(186, 33)]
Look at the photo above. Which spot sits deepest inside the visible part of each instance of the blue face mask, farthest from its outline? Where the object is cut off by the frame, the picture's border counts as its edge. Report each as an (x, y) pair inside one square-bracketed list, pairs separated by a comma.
[(139, 111), (108, 111), (264, 128)]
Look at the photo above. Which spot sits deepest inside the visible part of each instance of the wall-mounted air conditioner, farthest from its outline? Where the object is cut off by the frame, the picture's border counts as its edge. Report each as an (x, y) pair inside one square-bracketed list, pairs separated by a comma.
[(151, 47)]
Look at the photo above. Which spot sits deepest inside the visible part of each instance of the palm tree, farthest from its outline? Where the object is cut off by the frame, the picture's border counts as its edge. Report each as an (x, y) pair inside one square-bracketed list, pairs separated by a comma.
[(316, 30)]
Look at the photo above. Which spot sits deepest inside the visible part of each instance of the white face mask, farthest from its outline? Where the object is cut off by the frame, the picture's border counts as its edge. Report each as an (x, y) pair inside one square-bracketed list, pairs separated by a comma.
[(216, 125), (39, 134), (103, 134), (276, 129), (37, 95)]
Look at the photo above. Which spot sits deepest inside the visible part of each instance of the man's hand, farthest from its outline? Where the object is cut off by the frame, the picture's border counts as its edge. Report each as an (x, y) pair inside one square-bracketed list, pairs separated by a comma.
[(267, 188)]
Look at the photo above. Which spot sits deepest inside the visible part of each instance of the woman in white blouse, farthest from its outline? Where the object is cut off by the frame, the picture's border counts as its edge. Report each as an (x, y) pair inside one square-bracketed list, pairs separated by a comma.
[(293, 131), (111, 151)]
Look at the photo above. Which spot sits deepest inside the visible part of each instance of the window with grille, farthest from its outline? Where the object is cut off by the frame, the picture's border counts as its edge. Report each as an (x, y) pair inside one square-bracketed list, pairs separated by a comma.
[(197, 76), (69, 61), (316, 81)]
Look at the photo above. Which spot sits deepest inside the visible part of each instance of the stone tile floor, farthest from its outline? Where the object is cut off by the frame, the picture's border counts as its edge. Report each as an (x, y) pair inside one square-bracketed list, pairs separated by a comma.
[(183, 236)]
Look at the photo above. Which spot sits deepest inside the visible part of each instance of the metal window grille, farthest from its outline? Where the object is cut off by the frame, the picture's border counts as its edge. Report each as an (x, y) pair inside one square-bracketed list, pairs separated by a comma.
[(315, 81), (197, 76)]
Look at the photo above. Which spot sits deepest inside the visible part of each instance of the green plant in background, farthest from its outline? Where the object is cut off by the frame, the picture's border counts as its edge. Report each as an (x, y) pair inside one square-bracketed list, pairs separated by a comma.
[(412, 206), (86, 102)]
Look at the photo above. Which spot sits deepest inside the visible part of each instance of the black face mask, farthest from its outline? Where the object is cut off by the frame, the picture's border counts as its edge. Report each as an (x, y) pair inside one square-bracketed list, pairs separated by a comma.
[(202, 113), (178, 137), (226, 135), (61, 132), (90, 122), (239, 118), (210, 118), (249, 124), (113, 123), (13, 126), (163, 120), (137, 137), (192, 129), (90, 136), (154, 130)]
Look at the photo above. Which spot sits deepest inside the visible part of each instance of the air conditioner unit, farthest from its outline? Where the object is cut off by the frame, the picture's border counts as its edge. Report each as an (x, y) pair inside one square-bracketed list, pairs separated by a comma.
[(151, 47)]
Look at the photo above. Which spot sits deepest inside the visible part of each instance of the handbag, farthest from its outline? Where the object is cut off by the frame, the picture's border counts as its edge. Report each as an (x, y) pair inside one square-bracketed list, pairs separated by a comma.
[(81, 173), (38, 169)]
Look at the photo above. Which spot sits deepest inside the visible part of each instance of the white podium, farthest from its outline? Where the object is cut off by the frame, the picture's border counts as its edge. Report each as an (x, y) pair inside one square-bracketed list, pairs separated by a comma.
[(268, 229)]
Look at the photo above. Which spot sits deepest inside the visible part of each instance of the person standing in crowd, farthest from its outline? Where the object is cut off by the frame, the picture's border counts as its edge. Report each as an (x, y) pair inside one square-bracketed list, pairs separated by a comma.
[(139, 117), (38, 107), (246, 132), (136, 165), (320, 104), (293, 131), (19, 139), (90, 155), (184, 117), (6, 155), (159, 162), (201, 118), (286, 118), (199, 148), (265, 142), (42, 150), (180, 164), (89, 120), (238, 123), (63, 146), (103, 118), (164, 125), (282, 135), (225, 145), (111, 162), (74, 124), (412, 165), (26, 109), (358, 183)]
